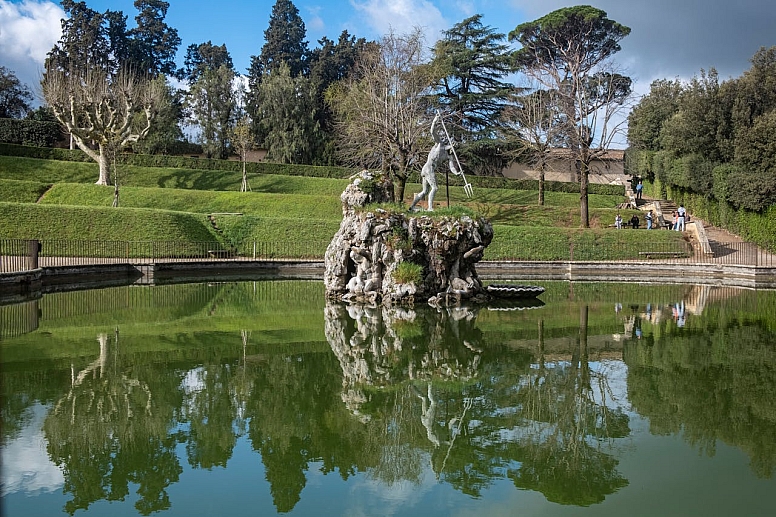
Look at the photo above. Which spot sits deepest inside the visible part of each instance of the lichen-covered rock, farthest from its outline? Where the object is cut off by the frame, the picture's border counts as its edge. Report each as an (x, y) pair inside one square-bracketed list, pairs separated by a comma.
[(363, 260)]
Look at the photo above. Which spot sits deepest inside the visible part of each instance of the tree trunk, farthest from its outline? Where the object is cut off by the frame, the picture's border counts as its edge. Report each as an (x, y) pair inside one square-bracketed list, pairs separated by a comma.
[(583, 205), (104, 178), (541, 186)]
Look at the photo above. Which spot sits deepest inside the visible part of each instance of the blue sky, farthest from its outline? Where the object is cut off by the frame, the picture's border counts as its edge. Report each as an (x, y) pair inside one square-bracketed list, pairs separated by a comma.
[(669, 38)]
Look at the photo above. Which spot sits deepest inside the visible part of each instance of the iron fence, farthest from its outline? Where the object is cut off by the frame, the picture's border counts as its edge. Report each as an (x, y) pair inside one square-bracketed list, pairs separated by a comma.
[(24, 255)]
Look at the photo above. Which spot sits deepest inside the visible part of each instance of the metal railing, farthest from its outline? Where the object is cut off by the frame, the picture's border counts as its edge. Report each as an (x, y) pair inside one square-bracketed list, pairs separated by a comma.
[(23, 255)]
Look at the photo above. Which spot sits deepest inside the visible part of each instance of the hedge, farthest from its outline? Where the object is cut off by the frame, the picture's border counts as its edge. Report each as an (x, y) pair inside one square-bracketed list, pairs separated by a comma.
[(184, 162), (30, 132)]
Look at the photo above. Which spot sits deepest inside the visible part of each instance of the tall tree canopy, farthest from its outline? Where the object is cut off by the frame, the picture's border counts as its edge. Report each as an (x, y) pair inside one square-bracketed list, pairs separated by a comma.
[(284, 43), (569, 51), (154, 43), (211, 98), (472, 60), (378, 107), (15, 97)]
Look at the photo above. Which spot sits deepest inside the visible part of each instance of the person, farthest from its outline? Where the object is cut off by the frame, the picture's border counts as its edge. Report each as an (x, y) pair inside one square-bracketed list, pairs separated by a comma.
[(648, 217), (639, 189), (680, 213), (438, 153), (635, 222), (618, 221), (674, 220)]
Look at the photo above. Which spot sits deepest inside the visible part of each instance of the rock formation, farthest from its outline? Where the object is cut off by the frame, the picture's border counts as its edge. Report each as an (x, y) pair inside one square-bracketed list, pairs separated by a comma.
[(387, 255)]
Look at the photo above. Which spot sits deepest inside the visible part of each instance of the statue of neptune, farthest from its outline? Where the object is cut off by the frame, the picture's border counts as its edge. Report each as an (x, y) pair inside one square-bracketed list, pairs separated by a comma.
[(438, 154)]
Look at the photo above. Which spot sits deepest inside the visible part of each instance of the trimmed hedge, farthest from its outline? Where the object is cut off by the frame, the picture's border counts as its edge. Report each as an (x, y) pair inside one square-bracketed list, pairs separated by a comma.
[(30, 132), (297, 170)]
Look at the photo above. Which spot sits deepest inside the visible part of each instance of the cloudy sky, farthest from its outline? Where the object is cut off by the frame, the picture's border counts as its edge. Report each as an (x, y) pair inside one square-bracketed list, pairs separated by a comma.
[(669, 38)]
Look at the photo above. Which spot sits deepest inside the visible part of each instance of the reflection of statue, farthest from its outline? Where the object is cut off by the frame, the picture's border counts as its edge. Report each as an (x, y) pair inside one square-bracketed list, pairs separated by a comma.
[(439, 153)]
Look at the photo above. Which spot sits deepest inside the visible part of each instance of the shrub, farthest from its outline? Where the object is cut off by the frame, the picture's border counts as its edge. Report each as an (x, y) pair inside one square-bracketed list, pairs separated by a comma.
[(408, 273)]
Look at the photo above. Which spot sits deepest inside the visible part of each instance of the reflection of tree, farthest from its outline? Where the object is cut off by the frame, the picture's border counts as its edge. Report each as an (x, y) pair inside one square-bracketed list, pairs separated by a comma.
[(477, 411), (711, 383), (111, 429), (210, 409)]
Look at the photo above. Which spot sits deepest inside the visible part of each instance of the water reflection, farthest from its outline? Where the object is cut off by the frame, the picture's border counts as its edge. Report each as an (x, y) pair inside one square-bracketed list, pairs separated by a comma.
[(486, 414), (167, 380)]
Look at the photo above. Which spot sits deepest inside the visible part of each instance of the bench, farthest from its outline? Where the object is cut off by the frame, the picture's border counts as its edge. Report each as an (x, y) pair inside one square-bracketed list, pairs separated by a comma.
[(664, 254)]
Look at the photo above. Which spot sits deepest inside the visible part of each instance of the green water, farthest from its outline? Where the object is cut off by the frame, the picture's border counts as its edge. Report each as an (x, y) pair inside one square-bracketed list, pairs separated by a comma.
[(259, 398)]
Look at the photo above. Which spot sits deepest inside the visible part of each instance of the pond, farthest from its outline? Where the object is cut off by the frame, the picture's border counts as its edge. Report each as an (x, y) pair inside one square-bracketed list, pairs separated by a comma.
[(262, 398)]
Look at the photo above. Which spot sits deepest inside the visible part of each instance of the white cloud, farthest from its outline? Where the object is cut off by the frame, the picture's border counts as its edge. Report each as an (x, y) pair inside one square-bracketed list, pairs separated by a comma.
[(402, 16), (27, 467), (28, 31)]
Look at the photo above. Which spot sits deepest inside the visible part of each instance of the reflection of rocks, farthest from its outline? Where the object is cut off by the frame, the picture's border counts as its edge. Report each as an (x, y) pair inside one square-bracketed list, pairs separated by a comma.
[(364, 258), (386, 345)]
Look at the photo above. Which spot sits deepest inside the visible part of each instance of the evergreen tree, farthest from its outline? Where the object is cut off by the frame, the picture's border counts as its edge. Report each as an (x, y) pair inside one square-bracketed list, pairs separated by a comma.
[(284, 43), (154, 43), (15, 97), (472, 61)]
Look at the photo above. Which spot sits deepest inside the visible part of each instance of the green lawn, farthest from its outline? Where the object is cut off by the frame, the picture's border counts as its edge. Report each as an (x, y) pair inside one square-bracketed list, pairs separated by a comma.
[(48, 199)]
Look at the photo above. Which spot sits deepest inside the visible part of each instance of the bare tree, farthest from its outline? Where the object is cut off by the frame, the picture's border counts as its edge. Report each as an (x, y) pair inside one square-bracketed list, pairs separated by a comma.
[(242, 142), (537, 122), (378, 111), (98, 110)]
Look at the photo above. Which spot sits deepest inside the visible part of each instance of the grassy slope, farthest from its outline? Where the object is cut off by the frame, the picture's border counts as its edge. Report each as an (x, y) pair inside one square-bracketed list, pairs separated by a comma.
[(301, 213)]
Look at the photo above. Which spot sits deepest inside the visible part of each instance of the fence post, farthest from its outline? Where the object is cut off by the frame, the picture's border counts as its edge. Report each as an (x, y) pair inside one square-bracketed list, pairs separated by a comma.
[(33, 250)]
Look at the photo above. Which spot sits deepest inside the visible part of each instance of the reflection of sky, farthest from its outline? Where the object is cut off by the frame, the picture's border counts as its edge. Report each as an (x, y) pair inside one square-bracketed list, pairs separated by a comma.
[(26, 465)]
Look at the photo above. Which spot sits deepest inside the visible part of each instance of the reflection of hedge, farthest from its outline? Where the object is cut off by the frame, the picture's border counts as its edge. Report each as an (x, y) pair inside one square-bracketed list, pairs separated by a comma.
[(29, 132)]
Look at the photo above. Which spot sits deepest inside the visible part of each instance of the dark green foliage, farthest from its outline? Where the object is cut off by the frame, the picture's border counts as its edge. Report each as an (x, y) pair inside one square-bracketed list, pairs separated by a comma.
[(154, 43), (30, 132), (714, 145), (472, 59), (15, 97), (284, 43)]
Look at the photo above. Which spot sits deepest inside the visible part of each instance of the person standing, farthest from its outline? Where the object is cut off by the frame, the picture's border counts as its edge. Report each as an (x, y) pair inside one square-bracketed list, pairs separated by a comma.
[(618, 221), (648, 217), (639, 189), (680, 214)]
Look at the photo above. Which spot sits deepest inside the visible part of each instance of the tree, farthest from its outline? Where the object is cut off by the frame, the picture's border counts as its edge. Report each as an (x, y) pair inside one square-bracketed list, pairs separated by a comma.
[(646, 119), (84, 43), (242, 141), (569, 51), (329, 63), (15, 97), (211, 98), (212, 104), (538, 124), (471, 60), (378, 110), (288, 117), (284, 43), (166, 130), (98, 107), (154, 43)]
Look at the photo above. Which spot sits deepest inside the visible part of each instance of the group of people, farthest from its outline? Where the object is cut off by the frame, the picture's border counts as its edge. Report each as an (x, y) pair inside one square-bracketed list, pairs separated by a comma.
[(680, 218), (634, 221)]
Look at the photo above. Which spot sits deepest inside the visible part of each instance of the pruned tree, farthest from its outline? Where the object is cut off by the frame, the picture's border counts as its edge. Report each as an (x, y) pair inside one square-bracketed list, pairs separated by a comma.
[(569, 51), (379, 110), (242, 142), (537, 123), (98, 109)]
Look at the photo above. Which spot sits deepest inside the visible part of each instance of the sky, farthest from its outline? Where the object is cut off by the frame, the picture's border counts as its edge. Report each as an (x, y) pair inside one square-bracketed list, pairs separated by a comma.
[(670, 39)]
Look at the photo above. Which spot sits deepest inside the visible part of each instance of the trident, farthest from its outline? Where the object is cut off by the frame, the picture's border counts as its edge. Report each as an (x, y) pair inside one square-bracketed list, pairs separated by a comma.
[(467, 187)]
